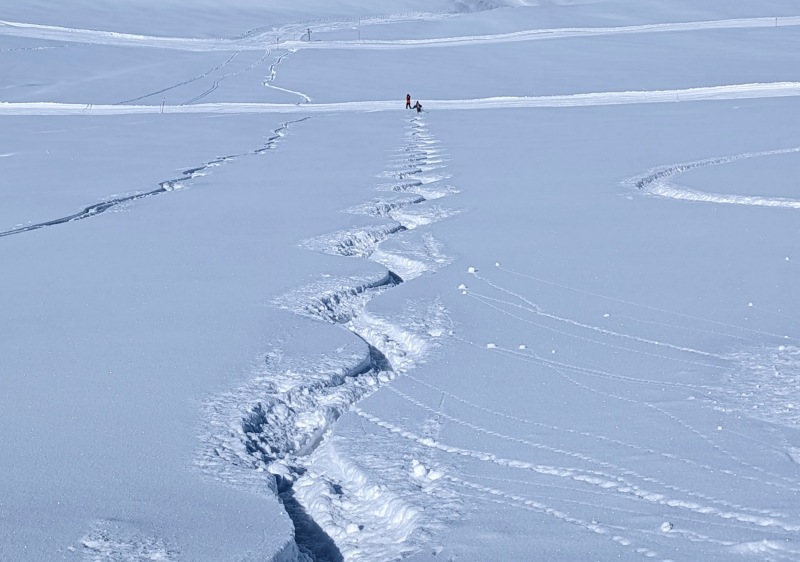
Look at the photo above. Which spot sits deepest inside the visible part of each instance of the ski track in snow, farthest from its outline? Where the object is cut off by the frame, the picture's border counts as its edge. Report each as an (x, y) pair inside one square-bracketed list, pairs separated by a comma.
[(686, 502), (165, 186), (339, 509), (208, 72), (763, 381), (281, 423), (273, 74), (217, 82), (657, 182), (262, 38), (710, 93)]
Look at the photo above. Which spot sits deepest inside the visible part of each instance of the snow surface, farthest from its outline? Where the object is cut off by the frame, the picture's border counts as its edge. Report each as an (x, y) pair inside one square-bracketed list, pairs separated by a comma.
[(256, 310)]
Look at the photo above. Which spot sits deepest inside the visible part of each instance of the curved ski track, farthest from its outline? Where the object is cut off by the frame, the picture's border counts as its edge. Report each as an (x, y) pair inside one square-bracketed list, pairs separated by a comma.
[(657, 182)]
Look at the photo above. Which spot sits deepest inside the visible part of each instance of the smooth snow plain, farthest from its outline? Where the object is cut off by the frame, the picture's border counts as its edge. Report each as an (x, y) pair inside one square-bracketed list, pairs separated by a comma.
[(254, 309)]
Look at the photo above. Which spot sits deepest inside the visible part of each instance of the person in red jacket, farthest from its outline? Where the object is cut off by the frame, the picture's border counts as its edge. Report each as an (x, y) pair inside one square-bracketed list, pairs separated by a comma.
[(408, 101)]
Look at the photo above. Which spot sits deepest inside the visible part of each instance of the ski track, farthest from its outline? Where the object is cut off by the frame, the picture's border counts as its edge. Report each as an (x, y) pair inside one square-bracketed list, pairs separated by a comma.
[(765, 90), (774, 480), (261, 38), (163, 187), (273, 74), (211, 70), (281, 423), (217, 82), (286, 430), (656, 182), (688, 505)]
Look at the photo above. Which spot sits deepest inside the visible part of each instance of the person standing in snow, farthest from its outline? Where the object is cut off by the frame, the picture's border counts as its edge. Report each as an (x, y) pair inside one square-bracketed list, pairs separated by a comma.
[(408, 101), (418, 106)]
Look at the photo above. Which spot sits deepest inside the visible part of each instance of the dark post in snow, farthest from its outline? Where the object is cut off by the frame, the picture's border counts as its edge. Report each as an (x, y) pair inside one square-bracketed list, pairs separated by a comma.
[(309, 35)]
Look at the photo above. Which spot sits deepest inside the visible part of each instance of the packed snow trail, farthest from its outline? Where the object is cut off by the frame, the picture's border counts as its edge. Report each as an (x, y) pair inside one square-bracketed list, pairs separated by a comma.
[(709, 93), (260, 40)]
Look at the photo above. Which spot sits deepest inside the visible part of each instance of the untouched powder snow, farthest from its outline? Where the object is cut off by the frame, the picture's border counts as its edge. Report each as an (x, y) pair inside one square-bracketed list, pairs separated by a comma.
[(254, 309)]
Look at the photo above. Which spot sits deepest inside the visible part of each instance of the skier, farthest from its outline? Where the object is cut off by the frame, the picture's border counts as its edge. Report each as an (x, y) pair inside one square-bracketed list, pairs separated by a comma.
[(418, 106), (408, 101)]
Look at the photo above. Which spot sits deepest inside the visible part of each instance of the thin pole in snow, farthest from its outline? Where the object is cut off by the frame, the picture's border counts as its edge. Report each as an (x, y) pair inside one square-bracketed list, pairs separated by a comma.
[(162, 105)]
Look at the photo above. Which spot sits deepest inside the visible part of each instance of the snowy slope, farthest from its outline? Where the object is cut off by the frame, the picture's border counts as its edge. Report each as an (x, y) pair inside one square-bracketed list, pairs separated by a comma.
[(255, 310)]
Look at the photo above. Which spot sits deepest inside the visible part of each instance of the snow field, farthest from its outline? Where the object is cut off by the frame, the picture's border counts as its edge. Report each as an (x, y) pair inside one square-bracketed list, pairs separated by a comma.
[(465, 334)]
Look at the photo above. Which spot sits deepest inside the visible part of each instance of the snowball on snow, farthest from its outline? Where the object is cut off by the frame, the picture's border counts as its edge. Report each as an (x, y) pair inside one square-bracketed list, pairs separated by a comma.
[(471, 270), (497, 263), (666, 526), (491, 345), (523, 346), (462, 287), (750, 304)]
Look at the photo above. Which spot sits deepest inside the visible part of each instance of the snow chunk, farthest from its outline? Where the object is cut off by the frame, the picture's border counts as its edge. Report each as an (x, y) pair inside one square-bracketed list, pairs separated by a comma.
[(472, 270), (666, 527), (491, 346), (418, 470)]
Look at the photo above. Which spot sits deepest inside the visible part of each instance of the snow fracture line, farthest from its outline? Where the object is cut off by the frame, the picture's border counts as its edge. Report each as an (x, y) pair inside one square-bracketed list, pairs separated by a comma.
[(163, 187), (288, 449)]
